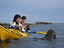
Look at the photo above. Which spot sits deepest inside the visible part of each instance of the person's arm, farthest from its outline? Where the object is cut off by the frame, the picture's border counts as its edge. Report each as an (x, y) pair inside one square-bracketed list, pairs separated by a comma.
[(14, 25), (17, 26)]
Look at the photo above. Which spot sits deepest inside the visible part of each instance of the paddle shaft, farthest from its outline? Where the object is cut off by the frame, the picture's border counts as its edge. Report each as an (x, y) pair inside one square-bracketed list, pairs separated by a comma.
[(45, 32)]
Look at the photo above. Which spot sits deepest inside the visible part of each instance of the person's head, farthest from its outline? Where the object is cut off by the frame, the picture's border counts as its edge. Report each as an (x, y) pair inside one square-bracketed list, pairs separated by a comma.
[(17, 18), (50, 35), (23, 19)]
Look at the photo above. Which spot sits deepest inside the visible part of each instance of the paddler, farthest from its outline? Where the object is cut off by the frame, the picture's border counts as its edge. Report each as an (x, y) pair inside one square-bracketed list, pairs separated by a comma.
[(24, 24), (17, 24)]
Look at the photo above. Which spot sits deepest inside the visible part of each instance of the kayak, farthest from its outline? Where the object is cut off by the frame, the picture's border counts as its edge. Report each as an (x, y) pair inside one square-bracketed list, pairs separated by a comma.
[(11, 34)]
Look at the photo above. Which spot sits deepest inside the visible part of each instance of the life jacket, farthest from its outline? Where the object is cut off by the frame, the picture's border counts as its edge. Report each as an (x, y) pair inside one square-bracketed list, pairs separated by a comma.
[(18, 28)]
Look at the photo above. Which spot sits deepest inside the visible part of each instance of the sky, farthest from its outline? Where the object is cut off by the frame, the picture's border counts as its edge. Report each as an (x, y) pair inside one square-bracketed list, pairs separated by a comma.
[(34, 10)]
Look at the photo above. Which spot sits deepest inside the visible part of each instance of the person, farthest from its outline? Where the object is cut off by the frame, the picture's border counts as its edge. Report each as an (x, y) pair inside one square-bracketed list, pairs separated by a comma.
[(16, 22), (24, 24)]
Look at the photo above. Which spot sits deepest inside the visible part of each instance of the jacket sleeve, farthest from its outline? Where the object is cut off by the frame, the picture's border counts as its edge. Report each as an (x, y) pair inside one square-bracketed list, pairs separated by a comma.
[(12, 24), (28, 28)]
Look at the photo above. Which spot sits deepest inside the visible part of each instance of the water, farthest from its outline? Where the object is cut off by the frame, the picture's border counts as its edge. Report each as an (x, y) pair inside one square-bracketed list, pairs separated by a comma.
[(33, 42)]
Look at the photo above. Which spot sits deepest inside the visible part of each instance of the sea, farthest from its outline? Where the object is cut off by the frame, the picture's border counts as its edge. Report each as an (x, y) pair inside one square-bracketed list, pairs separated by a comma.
[(33, 40)]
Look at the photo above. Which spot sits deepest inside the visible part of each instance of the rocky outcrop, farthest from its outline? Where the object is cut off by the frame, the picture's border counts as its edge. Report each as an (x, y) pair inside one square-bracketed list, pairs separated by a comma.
[(28, 23), (4, 23), (31, 24), (9, 24), (43, 23)]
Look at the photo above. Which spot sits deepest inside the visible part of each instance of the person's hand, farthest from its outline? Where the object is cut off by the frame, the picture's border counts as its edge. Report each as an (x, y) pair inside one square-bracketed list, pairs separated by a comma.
[(20, 25), (23, 26), (29, 30)]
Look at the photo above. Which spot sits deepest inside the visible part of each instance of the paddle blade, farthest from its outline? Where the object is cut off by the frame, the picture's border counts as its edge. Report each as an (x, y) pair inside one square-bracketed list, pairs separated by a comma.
[(45, 32)]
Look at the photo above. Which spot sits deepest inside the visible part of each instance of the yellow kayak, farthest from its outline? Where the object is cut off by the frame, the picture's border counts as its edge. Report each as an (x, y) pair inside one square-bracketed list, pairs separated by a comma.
[(11, 34), (14, 34)]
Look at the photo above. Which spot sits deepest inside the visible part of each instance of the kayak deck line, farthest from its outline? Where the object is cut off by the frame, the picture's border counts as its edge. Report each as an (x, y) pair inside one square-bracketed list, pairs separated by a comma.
[(12, 32)]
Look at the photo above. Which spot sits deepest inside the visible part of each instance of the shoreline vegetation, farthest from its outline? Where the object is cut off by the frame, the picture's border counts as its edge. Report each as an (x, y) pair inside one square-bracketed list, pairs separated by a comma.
[(29, 23)]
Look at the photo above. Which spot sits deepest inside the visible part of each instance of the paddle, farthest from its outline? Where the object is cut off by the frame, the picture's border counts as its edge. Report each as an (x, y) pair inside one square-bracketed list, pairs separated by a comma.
[(44, 32)]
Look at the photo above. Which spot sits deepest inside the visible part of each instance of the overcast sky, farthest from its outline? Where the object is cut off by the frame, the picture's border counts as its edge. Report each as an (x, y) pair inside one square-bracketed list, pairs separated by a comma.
[(34, 10)]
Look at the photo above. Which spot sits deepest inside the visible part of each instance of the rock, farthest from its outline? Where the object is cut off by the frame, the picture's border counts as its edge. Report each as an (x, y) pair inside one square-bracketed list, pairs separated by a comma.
[(31, 24), (43, 23), (4, 24), (28, 23)]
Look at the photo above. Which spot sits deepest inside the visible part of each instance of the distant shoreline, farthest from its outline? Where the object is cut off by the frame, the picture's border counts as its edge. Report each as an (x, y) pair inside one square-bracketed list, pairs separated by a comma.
[(29, 23)]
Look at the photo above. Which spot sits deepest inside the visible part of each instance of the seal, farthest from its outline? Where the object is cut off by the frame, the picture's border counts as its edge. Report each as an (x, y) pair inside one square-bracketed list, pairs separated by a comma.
[(51, 34)]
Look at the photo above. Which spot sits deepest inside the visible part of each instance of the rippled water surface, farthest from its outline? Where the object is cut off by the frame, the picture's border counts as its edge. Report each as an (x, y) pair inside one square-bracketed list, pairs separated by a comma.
[(33, 42)]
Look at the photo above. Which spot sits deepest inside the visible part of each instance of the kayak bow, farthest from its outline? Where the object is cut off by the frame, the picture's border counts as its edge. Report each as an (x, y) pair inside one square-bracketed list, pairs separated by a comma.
[(11, 34)]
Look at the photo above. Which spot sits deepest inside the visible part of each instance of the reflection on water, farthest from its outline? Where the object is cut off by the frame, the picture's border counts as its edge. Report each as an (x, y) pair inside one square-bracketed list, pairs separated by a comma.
[(7, 43), (4, 44), (33, 43)]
